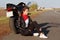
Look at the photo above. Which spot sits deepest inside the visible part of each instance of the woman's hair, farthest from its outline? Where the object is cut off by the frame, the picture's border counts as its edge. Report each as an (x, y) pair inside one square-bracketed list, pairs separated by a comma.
[(24, 8)]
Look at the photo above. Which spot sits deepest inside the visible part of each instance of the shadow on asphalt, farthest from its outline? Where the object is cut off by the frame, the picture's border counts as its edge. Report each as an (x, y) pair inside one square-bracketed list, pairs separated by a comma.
[(45, 27)]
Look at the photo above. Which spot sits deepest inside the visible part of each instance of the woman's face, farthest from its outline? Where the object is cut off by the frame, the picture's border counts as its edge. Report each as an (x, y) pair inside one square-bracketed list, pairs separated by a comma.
[(25, 12)]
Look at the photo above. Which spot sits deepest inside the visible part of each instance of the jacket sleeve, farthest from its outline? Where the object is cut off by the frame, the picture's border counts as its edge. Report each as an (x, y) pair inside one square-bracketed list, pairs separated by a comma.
[(30, 20), (22, 23)]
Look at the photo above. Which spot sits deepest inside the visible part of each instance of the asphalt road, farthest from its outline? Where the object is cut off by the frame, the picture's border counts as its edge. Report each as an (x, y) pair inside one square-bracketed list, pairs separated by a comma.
[(50, 20)]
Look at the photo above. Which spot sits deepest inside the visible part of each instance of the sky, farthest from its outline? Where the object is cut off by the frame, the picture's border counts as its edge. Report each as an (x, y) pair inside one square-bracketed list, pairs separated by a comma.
[(41, 3)]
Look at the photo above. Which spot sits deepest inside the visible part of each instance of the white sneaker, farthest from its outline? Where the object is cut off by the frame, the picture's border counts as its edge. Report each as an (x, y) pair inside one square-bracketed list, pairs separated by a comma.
[(42, 36), (35, 34)]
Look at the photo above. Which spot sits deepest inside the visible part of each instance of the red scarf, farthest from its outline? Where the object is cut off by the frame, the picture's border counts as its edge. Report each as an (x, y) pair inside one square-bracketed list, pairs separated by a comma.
[(24, 16)]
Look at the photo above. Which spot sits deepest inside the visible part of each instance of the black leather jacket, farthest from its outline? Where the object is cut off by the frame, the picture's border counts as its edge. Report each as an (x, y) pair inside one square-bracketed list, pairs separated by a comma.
[(22, 22)]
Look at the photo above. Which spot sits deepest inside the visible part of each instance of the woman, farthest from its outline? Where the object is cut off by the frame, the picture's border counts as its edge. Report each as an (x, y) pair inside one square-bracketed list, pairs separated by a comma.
[(28, 24)]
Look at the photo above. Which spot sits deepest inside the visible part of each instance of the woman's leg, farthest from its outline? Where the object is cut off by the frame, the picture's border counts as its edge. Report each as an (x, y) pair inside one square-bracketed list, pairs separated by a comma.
[(42, 35)]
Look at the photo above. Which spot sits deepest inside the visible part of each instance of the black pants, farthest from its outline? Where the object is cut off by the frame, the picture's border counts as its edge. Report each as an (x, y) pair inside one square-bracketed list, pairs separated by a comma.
[(33, 27)]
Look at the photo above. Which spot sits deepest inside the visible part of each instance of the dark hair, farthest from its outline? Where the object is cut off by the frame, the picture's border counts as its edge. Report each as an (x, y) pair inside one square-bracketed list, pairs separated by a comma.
[(24, 8)]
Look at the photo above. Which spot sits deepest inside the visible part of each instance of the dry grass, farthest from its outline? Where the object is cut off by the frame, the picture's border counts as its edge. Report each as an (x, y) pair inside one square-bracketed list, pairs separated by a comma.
[(2, 12), (4, 26)]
